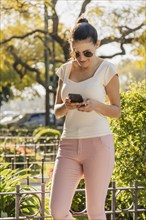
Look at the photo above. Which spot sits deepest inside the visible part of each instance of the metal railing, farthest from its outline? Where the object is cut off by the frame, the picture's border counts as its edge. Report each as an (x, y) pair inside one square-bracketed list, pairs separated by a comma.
[(48, 154), (41, 195), (47, 146)]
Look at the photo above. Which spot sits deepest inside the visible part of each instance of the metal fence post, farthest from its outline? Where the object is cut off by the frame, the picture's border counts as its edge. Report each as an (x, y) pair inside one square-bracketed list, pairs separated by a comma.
[(42, 170), (17, 202), (135, 202), (42, 201), (35, 150), (27, 162), (4, 158), (113, 202), (25, 144), (15, 153), (12, 163)]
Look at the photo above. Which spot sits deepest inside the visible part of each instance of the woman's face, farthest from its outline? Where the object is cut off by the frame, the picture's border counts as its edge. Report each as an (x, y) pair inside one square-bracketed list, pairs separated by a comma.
[(84, 52)]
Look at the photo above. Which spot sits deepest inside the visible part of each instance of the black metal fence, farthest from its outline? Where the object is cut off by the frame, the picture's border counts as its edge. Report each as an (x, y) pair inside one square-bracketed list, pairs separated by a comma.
[(42, 194), (46, 148), (44, 153)]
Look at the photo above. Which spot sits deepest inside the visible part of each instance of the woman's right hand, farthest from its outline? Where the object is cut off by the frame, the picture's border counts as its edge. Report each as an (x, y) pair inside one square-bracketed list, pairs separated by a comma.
[(70, 105)]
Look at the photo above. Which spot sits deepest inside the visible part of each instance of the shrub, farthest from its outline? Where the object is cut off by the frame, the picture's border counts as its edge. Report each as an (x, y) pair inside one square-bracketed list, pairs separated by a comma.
[(25, 131), (47, 137), (129, 132), (45, 133), (9, 179)]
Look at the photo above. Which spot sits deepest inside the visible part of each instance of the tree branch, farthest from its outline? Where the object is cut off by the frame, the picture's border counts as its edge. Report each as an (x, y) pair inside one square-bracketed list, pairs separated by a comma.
[(54, 17), (23, 36), (6, 9), (15, 66), (84, 5), (19, 8), (130, 30), (18, 61), (122, 38), (63, 43), (123, 52)]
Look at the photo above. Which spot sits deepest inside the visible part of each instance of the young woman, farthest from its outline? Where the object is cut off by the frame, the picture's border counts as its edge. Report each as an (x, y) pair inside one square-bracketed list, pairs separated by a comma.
[(86, 146)]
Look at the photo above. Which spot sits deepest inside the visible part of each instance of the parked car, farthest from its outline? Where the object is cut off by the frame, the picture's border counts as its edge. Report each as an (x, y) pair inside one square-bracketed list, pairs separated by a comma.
[(8, 118), (33, 119)]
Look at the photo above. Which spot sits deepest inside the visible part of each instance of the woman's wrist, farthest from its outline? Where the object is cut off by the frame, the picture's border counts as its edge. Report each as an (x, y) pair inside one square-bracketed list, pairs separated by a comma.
[(96, 105), (112, 111), (60, 110), (65, 108)]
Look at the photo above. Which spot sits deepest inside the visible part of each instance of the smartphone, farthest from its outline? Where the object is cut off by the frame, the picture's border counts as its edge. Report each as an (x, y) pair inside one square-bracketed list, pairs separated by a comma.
[(75, 97)]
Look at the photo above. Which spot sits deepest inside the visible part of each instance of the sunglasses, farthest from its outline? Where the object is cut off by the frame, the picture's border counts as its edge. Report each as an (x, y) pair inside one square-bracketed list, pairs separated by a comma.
[(86, 54)]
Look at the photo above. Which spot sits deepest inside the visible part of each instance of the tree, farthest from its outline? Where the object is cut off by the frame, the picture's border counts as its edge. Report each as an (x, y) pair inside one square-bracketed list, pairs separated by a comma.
[(23, 39)]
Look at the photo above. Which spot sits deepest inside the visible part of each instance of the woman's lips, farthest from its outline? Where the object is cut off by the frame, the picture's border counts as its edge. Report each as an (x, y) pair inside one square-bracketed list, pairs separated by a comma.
[(82, 62)]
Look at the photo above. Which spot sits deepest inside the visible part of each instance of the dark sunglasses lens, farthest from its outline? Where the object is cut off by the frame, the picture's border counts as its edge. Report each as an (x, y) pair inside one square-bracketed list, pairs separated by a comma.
[(77, 54), (88, 54)]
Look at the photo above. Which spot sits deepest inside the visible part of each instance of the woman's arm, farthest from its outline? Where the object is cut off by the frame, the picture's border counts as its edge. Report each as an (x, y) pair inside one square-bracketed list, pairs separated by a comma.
[(61, 108), (113, 109)]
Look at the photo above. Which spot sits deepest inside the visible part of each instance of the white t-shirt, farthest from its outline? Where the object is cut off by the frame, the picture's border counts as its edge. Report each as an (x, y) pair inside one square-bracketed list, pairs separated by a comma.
[(86, 124)]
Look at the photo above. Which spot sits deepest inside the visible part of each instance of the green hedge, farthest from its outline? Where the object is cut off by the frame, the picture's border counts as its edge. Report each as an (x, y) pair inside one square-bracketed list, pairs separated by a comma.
[(47, 137), (45, 134), (129, 138), (129, 132)]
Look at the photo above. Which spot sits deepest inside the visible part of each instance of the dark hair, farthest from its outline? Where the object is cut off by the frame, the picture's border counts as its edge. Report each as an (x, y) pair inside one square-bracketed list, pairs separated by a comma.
[(83, 30)]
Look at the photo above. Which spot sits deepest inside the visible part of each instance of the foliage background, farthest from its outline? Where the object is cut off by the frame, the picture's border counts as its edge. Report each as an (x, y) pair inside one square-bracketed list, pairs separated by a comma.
[(22, 45), (23, 39)]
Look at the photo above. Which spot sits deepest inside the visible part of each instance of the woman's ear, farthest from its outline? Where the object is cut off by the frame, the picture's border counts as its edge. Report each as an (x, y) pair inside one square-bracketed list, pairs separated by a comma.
[(98, 43)]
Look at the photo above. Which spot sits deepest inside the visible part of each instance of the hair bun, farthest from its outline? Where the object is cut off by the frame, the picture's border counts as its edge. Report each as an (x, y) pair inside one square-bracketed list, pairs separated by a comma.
[(82, 20)]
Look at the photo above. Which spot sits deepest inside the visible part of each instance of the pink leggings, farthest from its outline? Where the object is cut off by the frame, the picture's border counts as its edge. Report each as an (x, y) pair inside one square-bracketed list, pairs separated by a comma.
[(91, 157)]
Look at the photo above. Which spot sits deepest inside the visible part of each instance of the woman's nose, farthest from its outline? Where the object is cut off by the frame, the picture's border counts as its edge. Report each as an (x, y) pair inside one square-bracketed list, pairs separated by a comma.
[(82, 57)]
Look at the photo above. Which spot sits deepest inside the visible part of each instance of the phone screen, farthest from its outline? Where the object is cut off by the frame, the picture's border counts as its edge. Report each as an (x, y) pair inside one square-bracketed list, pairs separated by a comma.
[(75, 97)]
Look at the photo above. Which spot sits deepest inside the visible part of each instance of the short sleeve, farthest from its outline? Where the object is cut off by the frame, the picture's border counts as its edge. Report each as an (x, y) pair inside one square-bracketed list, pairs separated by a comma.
[(110, 72), (60, 73)]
